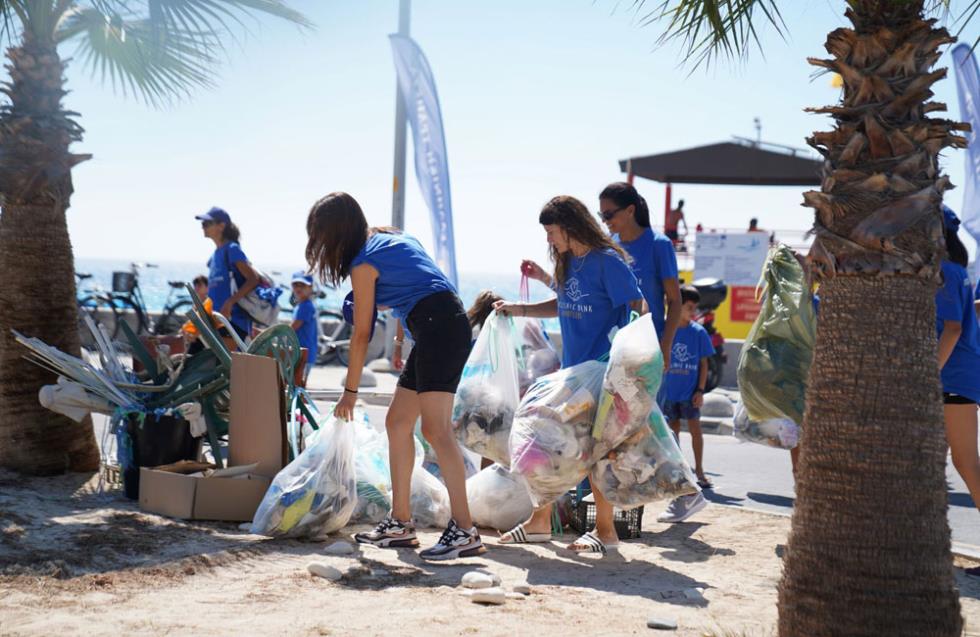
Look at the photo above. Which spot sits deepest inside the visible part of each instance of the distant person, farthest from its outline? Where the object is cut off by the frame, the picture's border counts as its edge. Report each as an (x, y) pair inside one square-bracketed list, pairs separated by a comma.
[(683, 396), (959, 358), (188, 329), (675, 218), (305, 320), (390, 269), (754, 225), (226, 262)]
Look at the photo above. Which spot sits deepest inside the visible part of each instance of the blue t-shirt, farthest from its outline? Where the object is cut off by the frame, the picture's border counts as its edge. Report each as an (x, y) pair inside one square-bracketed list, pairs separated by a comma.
[(654, 260), (219, 283), (592, 301), (307, 332), (406, 273), (954, 302), (691, 344)]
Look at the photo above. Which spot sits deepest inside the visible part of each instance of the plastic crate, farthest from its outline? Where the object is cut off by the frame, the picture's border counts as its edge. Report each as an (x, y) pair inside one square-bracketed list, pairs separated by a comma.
[(627, 523), (123, 282)]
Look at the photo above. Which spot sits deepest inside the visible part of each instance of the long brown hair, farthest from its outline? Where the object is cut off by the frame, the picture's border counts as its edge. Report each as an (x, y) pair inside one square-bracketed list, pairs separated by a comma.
[(337, 231), (571, 215), (481, 308)]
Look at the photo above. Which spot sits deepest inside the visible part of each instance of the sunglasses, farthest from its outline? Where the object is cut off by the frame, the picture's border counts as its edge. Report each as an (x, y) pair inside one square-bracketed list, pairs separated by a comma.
[(205, 224), (609, 214)]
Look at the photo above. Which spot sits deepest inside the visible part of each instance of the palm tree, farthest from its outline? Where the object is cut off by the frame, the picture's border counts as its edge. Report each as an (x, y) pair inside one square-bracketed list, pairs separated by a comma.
[(869, 551), (158, 50)]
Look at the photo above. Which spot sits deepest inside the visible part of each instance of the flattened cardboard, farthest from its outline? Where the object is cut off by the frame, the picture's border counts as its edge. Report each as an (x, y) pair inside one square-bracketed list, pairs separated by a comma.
[(257, 434)]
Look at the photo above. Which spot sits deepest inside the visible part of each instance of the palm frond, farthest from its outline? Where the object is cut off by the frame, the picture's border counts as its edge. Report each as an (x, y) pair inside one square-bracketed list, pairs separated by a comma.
[(709, 29), (972, 11), (138, 58), (11, 21), (218, 17)]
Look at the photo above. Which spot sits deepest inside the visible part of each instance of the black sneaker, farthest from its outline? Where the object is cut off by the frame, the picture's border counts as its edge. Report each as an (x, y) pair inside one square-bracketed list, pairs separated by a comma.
[(390, 533), (455, 542)]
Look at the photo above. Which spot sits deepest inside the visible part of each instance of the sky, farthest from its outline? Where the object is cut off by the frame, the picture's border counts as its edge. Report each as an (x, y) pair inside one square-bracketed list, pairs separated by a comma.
[(538, 99)]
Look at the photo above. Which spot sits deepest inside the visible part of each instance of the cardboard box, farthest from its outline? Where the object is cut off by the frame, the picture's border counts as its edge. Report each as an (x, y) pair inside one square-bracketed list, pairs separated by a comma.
[(257, 435)]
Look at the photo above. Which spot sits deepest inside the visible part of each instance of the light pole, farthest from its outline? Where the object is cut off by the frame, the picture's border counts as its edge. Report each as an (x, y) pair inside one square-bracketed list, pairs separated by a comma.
[(398, 181)]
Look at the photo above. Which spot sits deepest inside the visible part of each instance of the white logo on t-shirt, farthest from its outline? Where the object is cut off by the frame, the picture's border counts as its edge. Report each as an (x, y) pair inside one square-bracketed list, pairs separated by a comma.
[(680, 353), (573, 291)]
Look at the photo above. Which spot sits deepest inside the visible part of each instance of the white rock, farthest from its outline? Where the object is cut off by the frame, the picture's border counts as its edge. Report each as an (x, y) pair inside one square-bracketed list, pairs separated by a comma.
[(661, 623), (515, 596), (479, 579), (694, 594), (339, 548), (495, 595), (324, 570), (523, 589), (717, 406)]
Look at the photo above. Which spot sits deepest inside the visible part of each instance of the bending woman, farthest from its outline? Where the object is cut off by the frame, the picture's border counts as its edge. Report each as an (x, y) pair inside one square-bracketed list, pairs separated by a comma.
[(391, 269), (595, 291)]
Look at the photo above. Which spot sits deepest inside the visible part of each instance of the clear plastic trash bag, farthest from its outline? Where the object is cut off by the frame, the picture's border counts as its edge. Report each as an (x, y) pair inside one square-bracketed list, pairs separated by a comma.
[(429, 500), (316, 493), (645, 468), (774, 432), (630, 384), (551, 443)]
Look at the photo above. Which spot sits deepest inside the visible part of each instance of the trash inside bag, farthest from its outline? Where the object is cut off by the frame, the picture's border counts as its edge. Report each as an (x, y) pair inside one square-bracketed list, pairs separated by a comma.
[(776, 356), (774, 432), (488, 392), (551, 441), (537, 353), (315, 494), (373, 474), (647, 467), (429, 500), (630, 384), (429, 461), (498, 499)]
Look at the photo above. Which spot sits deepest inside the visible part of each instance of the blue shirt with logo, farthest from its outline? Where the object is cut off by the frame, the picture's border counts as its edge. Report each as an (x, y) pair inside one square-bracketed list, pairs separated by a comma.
[(691, 344), (221, 267), (307, 332), (654, 260), (593, 299), (954, 302), (406, 273)]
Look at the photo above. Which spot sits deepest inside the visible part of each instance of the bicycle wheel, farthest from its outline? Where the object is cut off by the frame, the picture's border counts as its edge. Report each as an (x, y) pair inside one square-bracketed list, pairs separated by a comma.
[(172, 318), (333, 328), (102, 312), (127, 310)]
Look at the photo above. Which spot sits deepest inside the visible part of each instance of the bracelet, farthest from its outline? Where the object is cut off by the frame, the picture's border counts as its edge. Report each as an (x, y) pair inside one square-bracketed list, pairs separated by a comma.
[(351, 391), (698, 391)]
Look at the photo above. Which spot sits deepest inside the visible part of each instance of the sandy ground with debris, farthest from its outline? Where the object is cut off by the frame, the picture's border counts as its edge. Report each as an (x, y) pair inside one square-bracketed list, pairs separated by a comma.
[(74, 561)]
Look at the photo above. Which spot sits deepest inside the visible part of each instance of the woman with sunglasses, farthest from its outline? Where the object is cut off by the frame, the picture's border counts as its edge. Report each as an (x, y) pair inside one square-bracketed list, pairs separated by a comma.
[(388, 268), (226, 262), (595, 292)]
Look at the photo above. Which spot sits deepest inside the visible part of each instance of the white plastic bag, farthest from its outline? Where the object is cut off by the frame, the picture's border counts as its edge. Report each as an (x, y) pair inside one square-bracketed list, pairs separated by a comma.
[(537, 354), (315, 494), (645, 468), (498, 500), (488, 392), (630, 384), (551, 443), (373, 474), (781, 433)]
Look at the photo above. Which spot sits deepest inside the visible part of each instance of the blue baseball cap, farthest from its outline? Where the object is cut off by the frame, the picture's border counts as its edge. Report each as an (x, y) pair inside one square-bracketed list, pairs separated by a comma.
[(950, 220), (302, 277), (215, 214), (348, 311)]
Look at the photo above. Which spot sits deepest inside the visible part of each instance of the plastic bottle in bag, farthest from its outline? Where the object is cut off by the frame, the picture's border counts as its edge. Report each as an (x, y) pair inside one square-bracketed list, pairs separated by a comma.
[(551, 443)]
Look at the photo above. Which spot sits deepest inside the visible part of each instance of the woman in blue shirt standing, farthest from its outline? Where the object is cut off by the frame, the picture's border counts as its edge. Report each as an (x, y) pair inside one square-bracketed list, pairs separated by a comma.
[(959, 358), (226, 262), (390, 269), (595, 290)]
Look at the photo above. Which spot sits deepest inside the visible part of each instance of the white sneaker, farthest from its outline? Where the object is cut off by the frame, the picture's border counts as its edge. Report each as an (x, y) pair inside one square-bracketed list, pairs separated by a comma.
[(682, 508)]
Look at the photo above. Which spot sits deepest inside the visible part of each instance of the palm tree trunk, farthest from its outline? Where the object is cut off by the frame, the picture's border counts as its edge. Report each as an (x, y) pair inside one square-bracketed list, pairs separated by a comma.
[(37, 296), (869, 551)]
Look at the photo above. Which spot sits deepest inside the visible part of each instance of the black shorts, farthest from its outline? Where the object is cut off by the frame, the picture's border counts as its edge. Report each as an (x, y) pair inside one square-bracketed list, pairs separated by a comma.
[(442, 335), (956, 399)]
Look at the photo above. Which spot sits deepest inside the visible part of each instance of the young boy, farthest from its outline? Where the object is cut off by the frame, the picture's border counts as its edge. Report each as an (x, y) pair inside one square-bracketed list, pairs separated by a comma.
[(193, 344), (683, 394), (304, 319)]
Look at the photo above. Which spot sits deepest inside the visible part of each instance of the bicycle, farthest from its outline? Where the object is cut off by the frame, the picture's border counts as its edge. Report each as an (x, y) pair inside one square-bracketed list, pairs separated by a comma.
[(94, 303)]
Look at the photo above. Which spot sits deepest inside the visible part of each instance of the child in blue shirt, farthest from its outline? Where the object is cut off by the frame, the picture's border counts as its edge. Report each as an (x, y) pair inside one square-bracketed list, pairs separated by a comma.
[(684, 382), (304, 319)]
